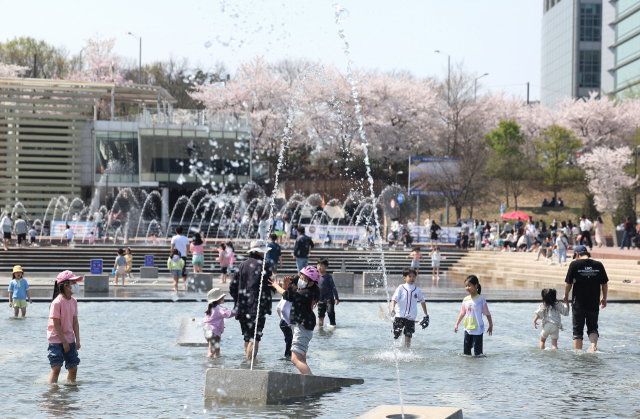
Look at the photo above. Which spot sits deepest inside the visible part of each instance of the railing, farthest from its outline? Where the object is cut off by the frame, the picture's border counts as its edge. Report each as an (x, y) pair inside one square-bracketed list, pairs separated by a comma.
[(192, 117)]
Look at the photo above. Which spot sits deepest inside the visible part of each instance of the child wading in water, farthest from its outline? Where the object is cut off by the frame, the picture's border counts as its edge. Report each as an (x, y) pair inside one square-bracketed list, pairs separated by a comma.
[(119, 266), (416, 256), (63, 332), (302, 317), (473, 308), (284, 310), (549, 312), (129, 266), (19, 292), (215, 316), (175, 264), (223, 258), (407, 297)]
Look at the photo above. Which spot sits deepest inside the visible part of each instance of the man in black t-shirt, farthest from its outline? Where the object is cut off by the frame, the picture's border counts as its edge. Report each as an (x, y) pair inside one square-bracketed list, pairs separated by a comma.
[(586, 276)]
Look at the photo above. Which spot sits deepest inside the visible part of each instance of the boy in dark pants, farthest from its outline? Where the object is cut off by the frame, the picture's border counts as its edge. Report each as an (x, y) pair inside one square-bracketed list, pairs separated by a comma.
[(329, 296)]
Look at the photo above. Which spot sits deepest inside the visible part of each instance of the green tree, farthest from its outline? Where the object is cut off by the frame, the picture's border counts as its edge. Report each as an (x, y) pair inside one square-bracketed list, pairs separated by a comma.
[(625, 208), (589, 207), (51, 61), (555, 149), (508, 162)]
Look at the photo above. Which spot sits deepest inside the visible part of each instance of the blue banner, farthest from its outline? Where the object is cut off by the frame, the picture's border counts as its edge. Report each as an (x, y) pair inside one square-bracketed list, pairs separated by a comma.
[(148, 260), (96, 266)]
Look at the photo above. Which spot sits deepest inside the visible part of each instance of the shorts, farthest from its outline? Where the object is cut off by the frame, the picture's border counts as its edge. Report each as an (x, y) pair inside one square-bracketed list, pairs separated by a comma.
[(19, 303), (224, 270), (120, 270), (184, 268), (197, 260), (176, 272), (325, 306), (401, 324), (57, 355), (247, 325), (7, 236), (580, 317), (415, 264), (434, 236), (279, 233), (22, 237), (32, 240), (301, 339), (435, 263), (550, 330), (274, 267)]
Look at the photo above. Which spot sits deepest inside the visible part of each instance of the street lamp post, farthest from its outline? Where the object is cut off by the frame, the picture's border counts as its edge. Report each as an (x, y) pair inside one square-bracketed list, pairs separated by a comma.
[(635, 174), (398, 173), (140, 66), (475, 86), (448, 74)]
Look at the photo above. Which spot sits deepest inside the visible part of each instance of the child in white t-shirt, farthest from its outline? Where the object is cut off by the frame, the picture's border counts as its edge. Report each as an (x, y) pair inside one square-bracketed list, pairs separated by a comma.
[(284, 309), (473, 308), (549, 312), (436, 256), (404, 307)]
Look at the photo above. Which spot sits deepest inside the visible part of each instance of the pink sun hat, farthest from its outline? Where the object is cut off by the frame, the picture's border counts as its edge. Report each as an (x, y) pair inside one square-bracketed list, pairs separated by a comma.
[(67, 276)]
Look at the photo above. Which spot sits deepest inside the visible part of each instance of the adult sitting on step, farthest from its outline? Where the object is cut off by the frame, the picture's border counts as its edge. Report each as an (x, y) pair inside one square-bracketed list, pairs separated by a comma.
[(245, 291)]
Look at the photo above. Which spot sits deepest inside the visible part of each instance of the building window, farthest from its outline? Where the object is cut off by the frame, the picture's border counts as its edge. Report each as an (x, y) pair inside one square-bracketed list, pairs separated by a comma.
[(590, 68), (591, 22), (117, 157)]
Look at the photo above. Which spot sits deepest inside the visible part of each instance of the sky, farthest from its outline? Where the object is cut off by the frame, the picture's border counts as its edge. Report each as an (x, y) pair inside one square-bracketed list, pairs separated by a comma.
[(499, 37)]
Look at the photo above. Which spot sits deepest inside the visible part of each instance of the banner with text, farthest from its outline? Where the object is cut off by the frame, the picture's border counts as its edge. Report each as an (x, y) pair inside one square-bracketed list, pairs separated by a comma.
[(319, 232), (445, 234), (80, 228)]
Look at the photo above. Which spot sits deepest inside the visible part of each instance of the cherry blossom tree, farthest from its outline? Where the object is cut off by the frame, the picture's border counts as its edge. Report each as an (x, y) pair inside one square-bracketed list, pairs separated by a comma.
[(102, 64), (10, 70), (604, 171)]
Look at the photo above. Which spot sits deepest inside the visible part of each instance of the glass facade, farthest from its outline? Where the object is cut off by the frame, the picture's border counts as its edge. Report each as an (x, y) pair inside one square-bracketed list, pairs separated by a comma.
[(627, 26), (217, 156), (627, 49), (558, 45), (590, 69), (590, 22), (117, 155)]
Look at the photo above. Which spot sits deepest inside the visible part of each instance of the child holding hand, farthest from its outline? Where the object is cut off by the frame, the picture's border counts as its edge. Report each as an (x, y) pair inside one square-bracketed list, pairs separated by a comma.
[(215, 316), (549, 312)]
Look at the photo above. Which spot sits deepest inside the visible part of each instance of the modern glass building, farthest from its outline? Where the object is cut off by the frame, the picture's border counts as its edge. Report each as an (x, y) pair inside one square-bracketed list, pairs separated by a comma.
[(621, 48), (571, 49)]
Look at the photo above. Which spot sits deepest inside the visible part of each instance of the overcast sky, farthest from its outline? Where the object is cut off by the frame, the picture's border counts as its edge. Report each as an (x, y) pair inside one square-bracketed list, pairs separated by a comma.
[(499, 37)]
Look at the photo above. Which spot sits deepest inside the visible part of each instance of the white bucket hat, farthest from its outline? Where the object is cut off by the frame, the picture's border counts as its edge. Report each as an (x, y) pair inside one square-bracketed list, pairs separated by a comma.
[(214, 295), (258, 246)]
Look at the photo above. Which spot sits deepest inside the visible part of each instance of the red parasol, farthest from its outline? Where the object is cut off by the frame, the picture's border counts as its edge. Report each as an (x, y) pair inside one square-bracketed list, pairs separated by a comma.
[(514, 216)]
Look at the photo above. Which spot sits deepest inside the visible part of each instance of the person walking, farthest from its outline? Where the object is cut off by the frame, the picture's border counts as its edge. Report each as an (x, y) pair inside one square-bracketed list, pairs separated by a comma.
[(586, 277), (629, 233), (245, 291), (21, 230), (302, 248), (181, 243), (97, 218), (478, 236), (7, 224), (600, 240), (585, 231)]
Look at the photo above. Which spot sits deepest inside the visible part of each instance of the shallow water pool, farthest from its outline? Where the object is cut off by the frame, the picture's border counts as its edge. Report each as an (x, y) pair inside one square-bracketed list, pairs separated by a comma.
[(131, 367)]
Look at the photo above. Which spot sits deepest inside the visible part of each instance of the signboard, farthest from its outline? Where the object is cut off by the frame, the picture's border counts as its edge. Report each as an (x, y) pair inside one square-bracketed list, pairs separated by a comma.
[(400, 198), (148, 260), (392, 204), (445, 235), (426, 173), (96, 266), (80, 228), (319, 232)]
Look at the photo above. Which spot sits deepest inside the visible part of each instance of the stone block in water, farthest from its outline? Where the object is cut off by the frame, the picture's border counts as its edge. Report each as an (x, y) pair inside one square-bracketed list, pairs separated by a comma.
[(191, 333), (267, 387), (200, 282), (149, 272), (96, 283), (413, 412), (343, 279)]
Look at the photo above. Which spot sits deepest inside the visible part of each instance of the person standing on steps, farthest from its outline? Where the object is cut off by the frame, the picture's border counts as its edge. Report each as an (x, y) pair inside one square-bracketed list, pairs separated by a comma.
[(629, 233), (7, 224), (302, 248), (181, 243), (21, 230), (586, 277), (245, 291), (585, 231)]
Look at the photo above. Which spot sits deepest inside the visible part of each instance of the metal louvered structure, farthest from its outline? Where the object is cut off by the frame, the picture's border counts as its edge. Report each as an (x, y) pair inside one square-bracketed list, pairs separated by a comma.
[(42, 124)]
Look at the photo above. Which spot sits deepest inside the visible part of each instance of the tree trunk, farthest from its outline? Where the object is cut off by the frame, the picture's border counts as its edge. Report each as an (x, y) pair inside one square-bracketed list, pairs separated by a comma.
[(506, 187), (458, 212), (555, 198), (515, 198)]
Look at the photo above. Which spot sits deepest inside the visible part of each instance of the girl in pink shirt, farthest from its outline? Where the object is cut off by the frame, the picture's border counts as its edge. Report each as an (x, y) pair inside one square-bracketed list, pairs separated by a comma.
[(63, 332), (214, 321), (197, 252)]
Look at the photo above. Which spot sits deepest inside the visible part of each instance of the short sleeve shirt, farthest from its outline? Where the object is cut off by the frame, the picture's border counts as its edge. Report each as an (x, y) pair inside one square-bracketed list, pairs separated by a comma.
[(274, 253), (19, 289), (64, 310), (473, 309), (180, 242), (587, 276), (407, 298)]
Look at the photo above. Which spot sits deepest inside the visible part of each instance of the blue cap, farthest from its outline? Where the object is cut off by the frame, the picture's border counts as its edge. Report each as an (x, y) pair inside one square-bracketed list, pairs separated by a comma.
[(580, 249)]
